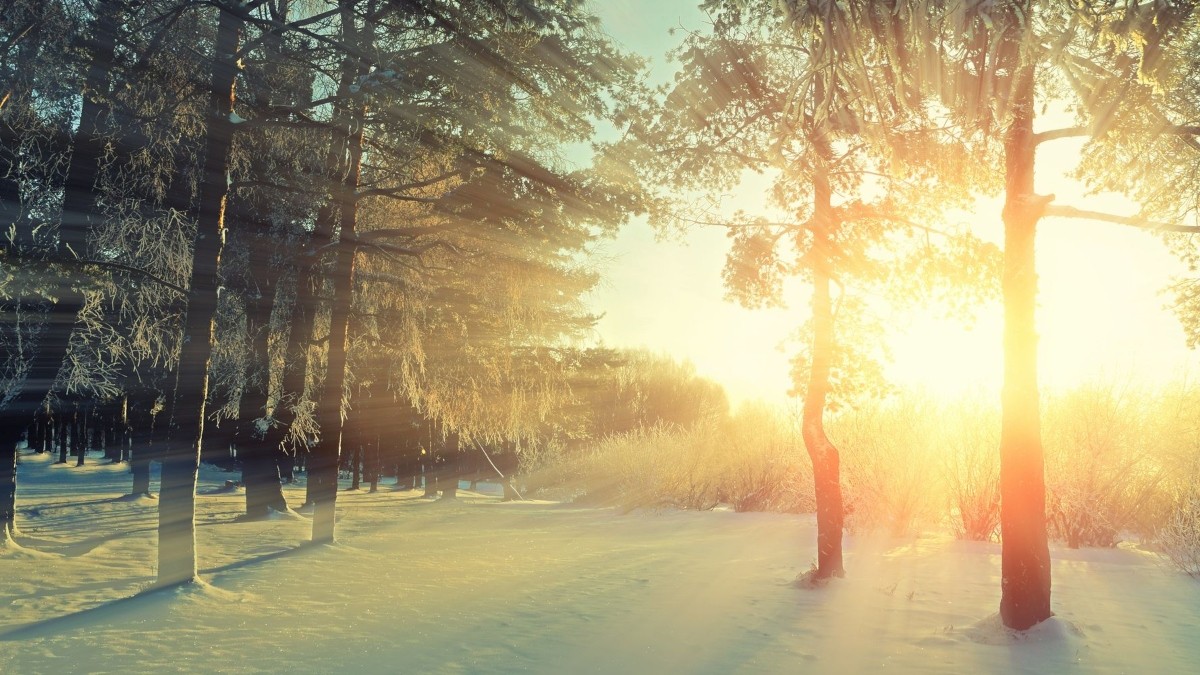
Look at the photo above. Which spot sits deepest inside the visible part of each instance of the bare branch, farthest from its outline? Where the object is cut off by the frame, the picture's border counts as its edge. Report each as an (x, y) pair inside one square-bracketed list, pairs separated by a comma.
[(397, 193), (1133, 221), (235, 185), (136, 271), (1065, 132), (374, 235)]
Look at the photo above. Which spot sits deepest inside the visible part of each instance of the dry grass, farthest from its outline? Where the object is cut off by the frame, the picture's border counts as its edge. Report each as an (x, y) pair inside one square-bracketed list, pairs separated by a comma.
[(1119, 465)]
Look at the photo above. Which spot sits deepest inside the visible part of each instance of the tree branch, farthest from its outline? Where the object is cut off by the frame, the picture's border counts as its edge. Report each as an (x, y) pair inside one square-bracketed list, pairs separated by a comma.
[(1065, 132), (1058, 211), (116, 266), (396, 193), (240, 184), (375, 235), (136, 271)]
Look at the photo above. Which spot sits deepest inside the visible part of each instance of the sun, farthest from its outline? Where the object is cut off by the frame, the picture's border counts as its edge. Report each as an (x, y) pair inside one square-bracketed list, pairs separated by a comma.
[(947, 357)]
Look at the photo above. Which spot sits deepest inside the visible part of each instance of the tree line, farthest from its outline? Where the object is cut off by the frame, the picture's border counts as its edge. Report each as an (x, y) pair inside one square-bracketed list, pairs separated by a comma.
[(270, 223)]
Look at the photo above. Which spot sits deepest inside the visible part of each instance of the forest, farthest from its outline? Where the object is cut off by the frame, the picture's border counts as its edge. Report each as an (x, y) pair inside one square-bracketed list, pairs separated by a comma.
[(299, 297)]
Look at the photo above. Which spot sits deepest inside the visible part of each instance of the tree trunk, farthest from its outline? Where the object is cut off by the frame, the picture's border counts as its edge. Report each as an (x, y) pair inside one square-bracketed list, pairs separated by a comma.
[(139, 466), (64, 423), (53, 346), (452, 468), (260, 475), (1025, 557), (824, 455), (323, 460), (260, 472), (30, 400), (376, 464), (79, 194), (11, 211), (308, 276), (33, 433), (8, 482), (257, 448), (79, 439), (143, 446), (124, 431), (41, 424), (181, 457)]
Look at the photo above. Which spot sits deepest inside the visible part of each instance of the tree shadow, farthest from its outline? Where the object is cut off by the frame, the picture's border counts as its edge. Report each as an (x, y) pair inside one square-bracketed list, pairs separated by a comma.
[(152, 602), (145, 604), (77, 548), (302, 547), (38, 511)]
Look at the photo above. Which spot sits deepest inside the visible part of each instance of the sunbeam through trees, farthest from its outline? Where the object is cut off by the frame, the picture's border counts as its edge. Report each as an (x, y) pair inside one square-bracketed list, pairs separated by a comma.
[(777, 297)]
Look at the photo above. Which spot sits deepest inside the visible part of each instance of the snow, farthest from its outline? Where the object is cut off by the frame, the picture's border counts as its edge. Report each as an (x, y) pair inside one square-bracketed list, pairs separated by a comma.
[(261, 426), (475, 585)]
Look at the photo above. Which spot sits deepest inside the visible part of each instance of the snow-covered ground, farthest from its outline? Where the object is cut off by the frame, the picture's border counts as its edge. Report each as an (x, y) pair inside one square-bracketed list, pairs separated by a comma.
[(479, 586)]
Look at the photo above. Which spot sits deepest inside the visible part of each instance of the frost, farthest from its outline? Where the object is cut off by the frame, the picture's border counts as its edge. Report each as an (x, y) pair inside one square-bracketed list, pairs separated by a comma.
[(234, 118)]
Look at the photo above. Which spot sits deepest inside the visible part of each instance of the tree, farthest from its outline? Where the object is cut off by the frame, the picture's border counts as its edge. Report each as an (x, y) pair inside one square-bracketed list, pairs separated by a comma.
[(995, 66), (181, 461), (795, 91), (42, 283)]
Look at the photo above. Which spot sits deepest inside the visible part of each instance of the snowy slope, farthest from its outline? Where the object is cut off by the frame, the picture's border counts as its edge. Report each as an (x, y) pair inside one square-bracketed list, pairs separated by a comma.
[(478, 586)]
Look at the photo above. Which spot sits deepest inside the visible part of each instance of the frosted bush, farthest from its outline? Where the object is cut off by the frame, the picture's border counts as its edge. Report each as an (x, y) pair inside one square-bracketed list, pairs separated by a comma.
[(767, 468), (753, 461), (1179, 539), (971, 469), (887, 451), (1102, 473)]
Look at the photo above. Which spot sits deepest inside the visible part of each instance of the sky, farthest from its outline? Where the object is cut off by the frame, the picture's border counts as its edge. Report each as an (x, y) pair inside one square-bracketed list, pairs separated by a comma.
[(1103, 305)]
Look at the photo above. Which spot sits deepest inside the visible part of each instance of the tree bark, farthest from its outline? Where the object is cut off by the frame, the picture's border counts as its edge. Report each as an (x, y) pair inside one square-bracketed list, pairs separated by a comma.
[(1025, 556), (356, 460), (79, 194), (139, 466), (822, 452), (376, 440), (260, 472), (181, 457), (79, 438), (323, 460), (9, 436), (308, 277), (257, 450)]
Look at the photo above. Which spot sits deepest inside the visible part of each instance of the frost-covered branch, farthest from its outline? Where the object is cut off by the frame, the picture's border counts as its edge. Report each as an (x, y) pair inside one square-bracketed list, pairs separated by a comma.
[(1132, 221)]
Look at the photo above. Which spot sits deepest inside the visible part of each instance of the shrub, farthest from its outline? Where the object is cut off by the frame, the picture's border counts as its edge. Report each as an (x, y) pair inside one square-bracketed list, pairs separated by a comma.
[(1179, 539), (655, 467), (1101, 472), (767, 468), (971, 469), (751, 461), (1116, 462), (887, 451)]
